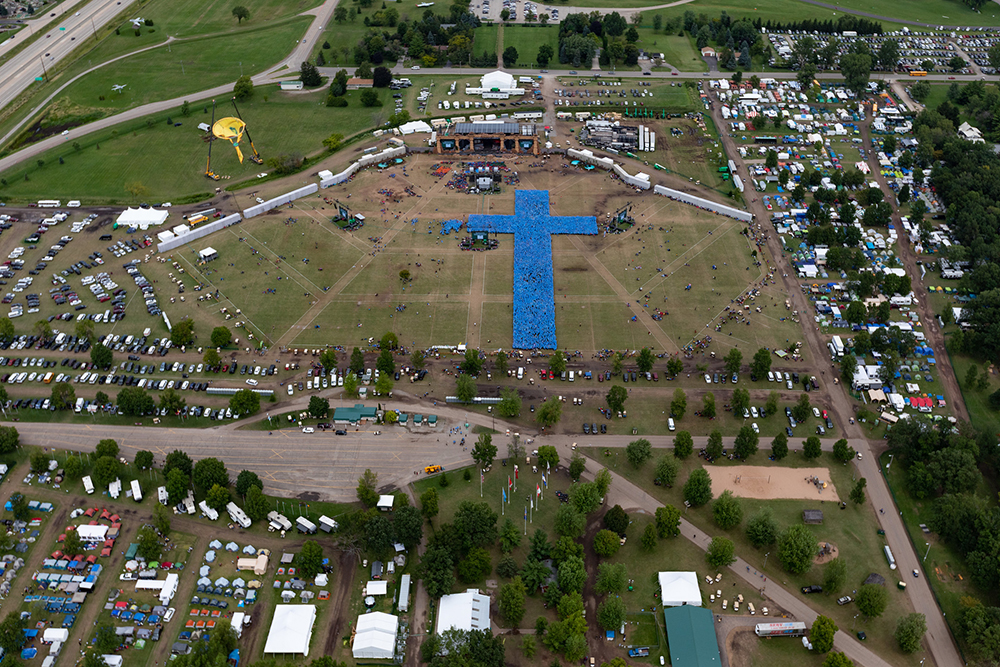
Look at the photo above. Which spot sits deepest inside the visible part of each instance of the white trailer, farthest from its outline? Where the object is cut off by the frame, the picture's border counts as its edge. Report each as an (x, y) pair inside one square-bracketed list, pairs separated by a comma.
[(327, 525), (136, 491), (212, 514), (88, 484), (889, 558), (238, 515), (162, 495), (304, 525), (278, 521)]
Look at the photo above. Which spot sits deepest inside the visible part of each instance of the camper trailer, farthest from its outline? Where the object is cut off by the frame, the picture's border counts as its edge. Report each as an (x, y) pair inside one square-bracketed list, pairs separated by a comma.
[(238, 515), (327, 525), (304, 525), (136, 491), (88, 484)]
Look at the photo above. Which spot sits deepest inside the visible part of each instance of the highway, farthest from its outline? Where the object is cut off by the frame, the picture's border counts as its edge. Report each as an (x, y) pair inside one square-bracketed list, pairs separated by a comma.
[(61, 36)]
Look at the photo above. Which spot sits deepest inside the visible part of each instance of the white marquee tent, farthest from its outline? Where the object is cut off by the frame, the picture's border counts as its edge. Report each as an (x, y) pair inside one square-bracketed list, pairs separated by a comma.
[(291, 630), (679, 588), (141, 217), (375, 637), (464, 611)]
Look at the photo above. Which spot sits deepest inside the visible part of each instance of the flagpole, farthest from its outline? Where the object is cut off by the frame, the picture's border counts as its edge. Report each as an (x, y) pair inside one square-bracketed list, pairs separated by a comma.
[(480, 483), (501, 503), (525, 523)]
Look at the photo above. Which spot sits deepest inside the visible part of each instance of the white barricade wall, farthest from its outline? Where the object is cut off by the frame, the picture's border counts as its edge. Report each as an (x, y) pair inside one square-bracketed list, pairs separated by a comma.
[(199, 232), (639, 180), (721, 209), (364, 161), (280, 200)]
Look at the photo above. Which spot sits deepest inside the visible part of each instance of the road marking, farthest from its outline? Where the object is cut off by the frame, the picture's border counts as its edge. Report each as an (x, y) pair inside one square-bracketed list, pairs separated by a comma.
[(276, 455)]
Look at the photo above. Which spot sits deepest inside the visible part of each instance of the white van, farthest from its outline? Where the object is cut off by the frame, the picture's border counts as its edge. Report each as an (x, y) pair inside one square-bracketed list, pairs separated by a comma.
[(770, 376), (572, 377), (670, 423), (520, 372)]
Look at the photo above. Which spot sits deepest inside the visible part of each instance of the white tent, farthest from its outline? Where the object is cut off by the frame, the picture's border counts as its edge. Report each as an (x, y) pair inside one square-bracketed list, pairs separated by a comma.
[(141, 217), (376, 636), (92, 533), (376, 588), (412, 127), (385, 503), (679, 588), (497, 79), (464, 611), (291, 629)]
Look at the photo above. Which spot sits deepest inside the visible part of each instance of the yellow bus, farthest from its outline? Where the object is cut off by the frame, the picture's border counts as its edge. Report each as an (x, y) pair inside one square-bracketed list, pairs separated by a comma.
[(918, 72)]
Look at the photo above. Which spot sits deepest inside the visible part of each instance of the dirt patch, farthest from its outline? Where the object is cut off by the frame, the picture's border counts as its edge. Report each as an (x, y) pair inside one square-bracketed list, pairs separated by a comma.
[(340, 600), (771, 483), (308, 495), (827, 552), (741, 645)]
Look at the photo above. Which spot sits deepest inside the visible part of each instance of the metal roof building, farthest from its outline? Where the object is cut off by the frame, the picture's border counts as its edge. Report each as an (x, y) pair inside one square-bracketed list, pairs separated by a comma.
[(691, 636), (353, 415)]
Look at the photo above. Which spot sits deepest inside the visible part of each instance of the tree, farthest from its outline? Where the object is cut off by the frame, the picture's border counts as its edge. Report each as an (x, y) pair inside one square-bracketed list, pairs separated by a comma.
[(645, 360), (762, 529), (611, 577), (476, 523), (328, 359), (211, 358), (177, 485), (549, 413), (318, 407), (484, 450), (243, 90), (510, 602), (572, 575), (834, 575), (638, 452), (385, 363), (812, 448), (666, 471), (476, 566), (708, 408), (616, 399), (143, 459), (245, 480), (821, 634), (648, 540), (12, 634), (727, 511), (221, 336), (465, 388), (370, 98), (357, 361), (802, 408), (606, 543), (856, 68), (771, 405), (548, 457), (510, 536), (616, 520), (106, 447), (857, 494), (842, 451), (429, 503), (683, 445), (734, 358), (178, 460), (134, 402), (149, 543), (674, 366), (872, 600), (74, 467), (172, 401), (310, 76), (381, 77), (796, 548), (779, 447), (545, 53), (217, 497), (245, 402), (569, 522), (837, 660), (161, 519), (745, 445), (367, 488), (611, 613), (101, 356), (698, 488), (761, 363), (256, 505), (209, 472), (39, 461), (888, 55), (668, 520), (910, 630), (7, 328), (310, 559), (351, 385), (63, 396), (510, 56), (721, 552), (576, 467), (510, 403), (182, 333), (10, 439), (714, 447), (678, 405), (240, 12)]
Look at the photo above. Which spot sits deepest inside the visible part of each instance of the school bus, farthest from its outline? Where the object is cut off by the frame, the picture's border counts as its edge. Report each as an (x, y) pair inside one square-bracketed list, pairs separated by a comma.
[(432, 469), (918, 72)]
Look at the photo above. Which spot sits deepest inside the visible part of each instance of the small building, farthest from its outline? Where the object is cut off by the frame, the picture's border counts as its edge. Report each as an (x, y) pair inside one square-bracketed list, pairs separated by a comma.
[(385, 503), (691, 637), (404, 593), (358, 84), (353, 415), (208, 254), (375, 636), (377, 569), (678, 589), (708, 52), (812, 516), (970, 133), (291, 85), (464, 611), (378, 588), (496, 85)]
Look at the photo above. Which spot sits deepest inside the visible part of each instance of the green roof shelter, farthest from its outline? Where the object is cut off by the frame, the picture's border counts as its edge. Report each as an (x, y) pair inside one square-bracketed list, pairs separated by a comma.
[(691, 636), (353, 415)]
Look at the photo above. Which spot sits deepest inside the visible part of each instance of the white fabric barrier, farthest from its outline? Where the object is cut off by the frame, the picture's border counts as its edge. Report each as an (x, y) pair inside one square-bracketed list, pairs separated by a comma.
[(639, 180), (199, 232), (364, 161), (280, 200), (705, 204)]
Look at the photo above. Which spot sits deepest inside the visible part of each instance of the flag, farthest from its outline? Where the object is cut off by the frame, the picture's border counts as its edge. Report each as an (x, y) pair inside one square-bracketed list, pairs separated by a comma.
[(515, 472), (482, 477), (525, 513), (545, 482), (538, 490), (504, 492), (510, 482), (548, 466)]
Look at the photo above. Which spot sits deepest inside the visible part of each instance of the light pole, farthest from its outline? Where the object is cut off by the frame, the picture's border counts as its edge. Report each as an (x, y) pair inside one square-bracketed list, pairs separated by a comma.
[(927, 553), (765, 560), (889, 463)]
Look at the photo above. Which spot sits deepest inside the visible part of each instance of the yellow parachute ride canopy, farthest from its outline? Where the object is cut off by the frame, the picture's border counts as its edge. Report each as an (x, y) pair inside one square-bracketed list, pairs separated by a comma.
[(230, 129)]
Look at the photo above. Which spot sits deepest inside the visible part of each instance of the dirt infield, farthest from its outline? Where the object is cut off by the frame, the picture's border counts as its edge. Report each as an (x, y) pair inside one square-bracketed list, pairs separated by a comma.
[(767, 483)]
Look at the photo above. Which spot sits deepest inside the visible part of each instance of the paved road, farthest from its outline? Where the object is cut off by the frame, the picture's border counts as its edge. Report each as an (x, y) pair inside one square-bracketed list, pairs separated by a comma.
[(21, 70)]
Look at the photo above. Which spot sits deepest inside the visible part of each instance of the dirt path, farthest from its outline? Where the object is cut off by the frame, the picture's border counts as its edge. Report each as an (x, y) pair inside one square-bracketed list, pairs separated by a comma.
[(340, 600), (477, 291)]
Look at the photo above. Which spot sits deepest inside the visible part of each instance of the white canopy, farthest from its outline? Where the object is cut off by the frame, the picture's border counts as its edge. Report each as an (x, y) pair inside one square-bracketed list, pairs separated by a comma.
[(412, 127), (142, 217), (376, 588), (376, 636), (291, 629), (464, 611), (92, 533), (679, 588)]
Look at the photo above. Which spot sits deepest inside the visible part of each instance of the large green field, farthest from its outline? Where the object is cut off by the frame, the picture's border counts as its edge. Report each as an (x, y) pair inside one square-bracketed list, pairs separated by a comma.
[(485, 39), (527, 40)]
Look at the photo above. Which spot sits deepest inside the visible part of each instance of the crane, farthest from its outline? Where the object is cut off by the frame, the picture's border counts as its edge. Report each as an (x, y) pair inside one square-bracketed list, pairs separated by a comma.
[(211, 138), (255, 157)]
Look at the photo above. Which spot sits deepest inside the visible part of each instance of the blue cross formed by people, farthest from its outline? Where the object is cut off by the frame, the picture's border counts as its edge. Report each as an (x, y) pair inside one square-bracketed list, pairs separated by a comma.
[(534, 294)]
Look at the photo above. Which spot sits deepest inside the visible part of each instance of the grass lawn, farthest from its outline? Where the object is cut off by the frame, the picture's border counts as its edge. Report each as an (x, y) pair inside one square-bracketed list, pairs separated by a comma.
[(170, 161), (976, 402), (677, 51), (853, 530), (485, 40), (527, 40)]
